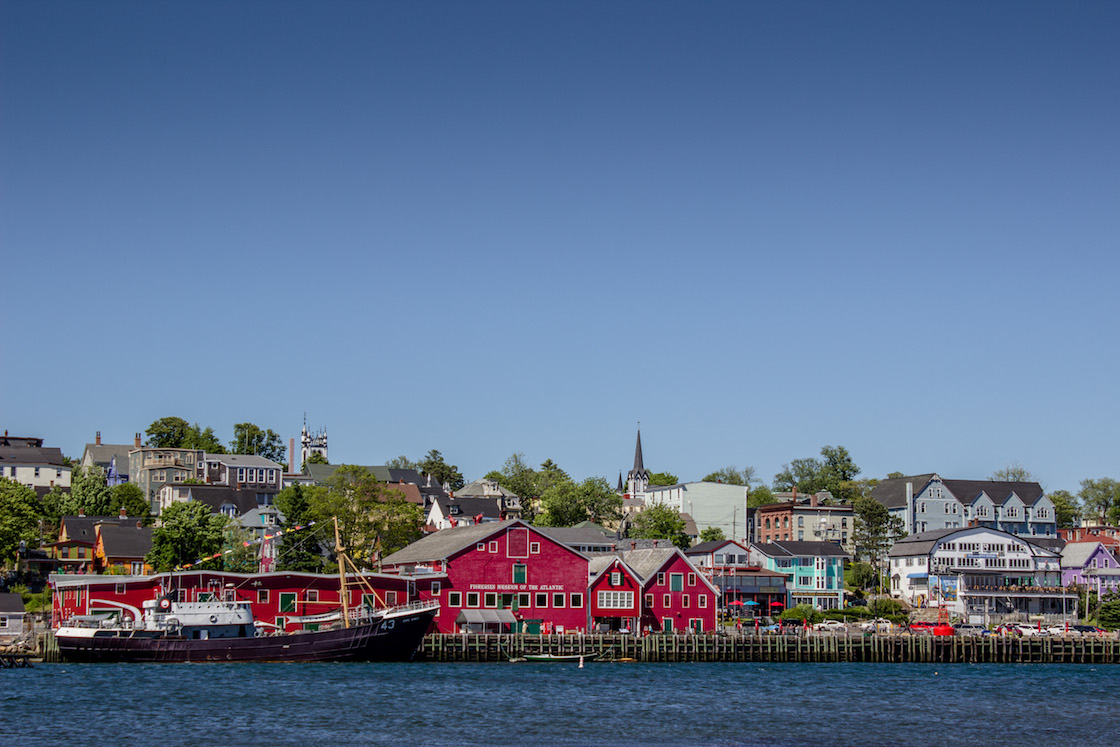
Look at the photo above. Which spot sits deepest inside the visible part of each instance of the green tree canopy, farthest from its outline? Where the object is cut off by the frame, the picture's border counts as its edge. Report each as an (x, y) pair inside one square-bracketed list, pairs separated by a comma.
[(89, 494), (660, 522), (19, 517), (402, 462), (663, 478), (177, 433), (1067, 509), (373, 520), (568, 503), (760, 496), (1100, 500), (874, 529), (712, 534), (836, 473), (1014, 472), (441, 471), (251, 439), (188, 531), (303, 550), (130, 497), (733, 476)]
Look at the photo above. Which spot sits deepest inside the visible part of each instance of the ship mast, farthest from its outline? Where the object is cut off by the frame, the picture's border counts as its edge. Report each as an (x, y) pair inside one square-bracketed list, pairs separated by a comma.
[(343, 591)]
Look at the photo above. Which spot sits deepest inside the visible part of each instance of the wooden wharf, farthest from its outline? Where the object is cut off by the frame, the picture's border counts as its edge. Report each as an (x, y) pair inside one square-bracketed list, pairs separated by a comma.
[(657, 648), (15, 661)]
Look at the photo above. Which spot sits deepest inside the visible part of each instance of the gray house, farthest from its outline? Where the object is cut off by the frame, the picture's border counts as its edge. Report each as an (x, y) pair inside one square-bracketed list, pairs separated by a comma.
[(927, 503)]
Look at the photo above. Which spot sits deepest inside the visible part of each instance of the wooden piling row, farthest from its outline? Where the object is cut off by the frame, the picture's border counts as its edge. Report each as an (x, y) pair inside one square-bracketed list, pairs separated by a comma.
[(775, 648)]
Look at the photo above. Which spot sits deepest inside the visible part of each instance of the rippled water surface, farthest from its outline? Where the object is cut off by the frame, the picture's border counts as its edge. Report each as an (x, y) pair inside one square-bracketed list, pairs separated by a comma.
[(621, 704)]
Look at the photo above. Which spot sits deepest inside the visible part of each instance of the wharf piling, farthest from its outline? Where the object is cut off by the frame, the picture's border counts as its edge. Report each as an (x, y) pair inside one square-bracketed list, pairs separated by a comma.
[(470, 647)]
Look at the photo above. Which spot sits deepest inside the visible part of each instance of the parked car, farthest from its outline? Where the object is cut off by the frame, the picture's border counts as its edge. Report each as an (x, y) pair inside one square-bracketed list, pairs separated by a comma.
[(925, 628), (878, 625), (834, 626), (1074, 631), (1022, 629), (970, 629)]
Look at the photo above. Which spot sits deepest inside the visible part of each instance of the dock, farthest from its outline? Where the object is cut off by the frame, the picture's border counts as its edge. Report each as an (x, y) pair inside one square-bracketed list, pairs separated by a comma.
[(451, 647)]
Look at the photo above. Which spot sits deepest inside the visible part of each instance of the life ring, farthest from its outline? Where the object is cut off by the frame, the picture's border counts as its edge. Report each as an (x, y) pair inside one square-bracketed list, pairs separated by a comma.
[(213, 618), (165, 604)]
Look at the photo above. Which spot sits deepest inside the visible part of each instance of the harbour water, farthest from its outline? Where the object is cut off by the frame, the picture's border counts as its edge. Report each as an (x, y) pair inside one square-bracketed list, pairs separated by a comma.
[(542, 704)]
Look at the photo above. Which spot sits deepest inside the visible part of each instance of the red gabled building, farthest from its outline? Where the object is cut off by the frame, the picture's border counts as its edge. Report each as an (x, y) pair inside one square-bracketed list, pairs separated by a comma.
[(674, 595), (498, 577)]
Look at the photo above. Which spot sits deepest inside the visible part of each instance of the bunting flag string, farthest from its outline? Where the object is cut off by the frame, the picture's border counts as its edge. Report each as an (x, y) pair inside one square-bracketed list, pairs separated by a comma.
[(247, 543)]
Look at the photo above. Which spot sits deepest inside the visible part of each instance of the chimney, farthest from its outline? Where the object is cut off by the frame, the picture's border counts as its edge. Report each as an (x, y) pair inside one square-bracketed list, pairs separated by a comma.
[(97, 441), (813, 501), (137, 440)]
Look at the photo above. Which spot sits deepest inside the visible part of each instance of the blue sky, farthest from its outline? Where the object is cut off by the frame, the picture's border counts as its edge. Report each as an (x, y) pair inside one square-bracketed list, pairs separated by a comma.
[(756, 227)]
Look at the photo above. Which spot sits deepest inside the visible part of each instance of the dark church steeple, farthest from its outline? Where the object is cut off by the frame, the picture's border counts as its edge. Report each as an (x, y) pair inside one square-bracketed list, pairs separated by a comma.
[(638, 479)]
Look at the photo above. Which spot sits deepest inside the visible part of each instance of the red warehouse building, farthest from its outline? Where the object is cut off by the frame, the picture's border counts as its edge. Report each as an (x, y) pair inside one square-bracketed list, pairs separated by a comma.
[(498, 577)]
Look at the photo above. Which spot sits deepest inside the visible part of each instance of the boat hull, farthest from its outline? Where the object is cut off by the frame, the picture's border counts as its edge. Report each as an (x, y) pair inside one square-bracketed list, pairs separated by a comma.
[(391, 639)]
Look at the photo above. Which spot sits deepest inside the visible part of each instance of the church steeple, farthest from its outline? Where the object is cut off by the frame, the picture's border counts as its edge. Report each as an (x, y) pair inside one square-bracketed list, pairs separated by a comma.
[(638, 479)]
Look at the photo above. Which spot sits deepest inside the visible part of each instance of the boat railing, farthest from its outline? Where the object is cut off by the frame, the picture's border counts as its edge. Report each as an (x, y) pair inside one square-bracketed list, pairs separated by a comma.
[(364, 613)]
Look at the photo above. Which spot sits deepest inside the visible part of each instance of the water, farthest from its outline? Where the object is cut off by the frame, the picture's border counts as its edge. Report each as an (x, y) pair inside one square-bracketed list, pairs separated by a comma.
[(543, 704)]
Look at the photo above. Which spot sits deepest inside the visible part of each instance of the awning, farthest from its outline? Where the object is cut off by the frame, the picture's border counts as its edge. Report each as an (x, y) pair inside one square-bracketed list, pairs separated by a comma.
[(485, 616), (917, 575)]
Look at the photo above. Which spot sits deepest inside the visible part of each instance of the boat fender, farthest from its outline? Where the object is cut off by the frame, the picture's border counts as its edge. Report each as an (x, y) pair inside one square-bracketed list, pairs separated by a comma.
[(257, 633), (213, 618)]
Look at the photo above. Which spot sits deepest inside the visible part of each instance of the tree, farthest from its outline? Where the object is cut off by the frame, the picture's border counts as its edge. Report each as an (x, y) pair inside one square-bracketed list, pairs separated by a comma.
[(835, 473), (1108, 614), (874, 530), (660, 522), (1067, 510), (401, 462), (663, 478), (548, 475), (89, 495), (733, 476), (168, 433), (204, 439), (712, 534), (250, 439), (19, 517), (176, 433), (568, 503), (372, 518), (130, 497), (187, 532), (517, 476), (315, 457), (760, 496), (440, 471), (803, 474), (299, 550), (1014, 472), (1100, 500)]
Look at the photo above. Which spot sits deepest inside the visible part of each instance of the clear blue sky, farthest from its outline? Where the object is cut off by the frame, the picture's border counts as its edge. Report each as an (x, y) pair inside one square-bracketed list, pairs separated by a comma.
[(756, 227)]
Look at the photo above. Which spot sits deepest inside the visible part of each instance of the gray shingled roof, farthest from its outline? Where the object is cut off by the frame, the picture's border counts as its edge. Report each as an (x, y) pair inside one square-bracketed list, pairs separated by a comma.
[(126, 541), (446, 542), (710, 546), (920, 543), (787, 549), (102, 455), (33, 456), (11, 603), (892, 493), (215, 496)]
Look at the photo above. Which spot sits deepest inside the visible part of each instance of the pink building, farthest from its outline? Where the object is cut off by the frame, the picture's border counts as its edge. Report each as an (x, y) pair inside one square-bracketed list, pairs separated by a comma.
[(498, 577)]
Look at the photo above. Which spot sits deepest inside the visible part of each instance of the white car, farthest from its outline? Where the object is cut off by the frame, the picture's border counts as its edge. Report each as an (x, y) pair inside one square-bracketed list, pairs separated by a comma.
[(831, 625), (879, 625), (1027, 631)]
